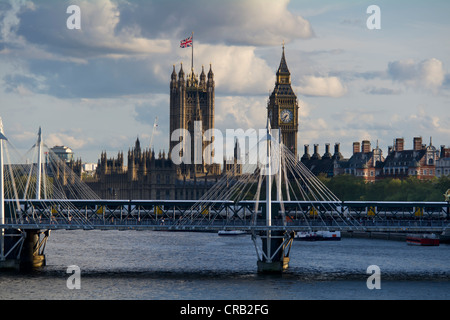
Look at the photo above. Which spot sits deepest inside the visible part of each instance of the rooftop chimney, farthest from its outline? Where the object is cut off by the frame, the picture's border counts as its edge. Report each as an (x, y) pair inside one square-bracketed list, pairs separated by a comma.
[(365, 146), (356, 146), (399, 144), (337, 153), (327, 154), (417, 143), (306, 155), (316, 154)]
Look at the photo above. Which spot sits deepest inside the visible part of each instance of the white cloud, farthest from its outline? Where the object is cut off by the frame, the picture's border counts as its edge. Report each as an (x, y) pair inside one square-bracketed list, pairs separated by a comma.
[(262, 22), (427, 122), (304, 108), (42, 29), (120, 29), (237, 112), (92, 62), (236, 68), (321, 86), (22, 135), (432, 73), (9, 21), (428, 74), (381, 90), (100, 19), (64, 139), (242, 22)]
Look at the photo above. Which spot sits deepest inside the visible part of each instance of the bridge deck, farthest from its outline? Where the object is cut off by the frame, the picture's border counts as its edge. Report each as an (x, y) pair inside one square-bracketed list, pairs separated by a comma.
[(218, 215)]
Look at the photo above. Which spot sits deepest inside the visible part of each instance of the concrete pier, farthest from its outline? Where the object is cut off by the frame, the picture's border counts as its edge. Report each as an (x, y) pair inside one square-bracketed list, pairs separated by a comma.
[(274, 266), (23, 249), (31, 257), (276, 249)]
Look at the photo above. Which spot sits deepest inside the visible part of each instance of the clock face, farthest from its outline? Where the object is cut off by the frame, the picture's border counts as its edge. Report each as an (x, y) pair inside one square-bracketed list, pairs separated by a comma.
[(286, 116)]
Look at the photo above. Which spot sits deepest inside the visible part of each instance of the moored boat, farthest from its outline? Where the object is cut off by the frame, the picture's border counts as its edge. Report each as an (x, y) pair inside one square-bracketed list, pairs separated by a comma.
[(231, 232), (318, 236), (422, 239)]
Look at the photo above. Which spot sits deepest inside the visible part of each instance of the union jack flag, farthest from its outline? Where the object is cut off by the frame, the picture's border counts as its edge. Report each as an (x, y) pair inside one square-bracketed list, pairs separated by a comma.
[(186, 42)]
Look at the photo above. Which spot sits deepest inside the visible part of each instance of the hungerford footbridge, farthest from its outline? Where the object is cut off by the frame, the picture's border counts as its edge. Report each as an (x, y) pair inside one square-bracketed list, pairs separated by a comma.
[(272, 201)]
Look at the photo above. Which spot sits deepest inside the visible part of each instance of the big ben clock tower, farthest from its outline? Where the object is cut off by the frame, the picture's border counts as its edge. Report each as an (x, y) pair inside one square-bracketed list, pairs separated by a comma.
[(283, 107)]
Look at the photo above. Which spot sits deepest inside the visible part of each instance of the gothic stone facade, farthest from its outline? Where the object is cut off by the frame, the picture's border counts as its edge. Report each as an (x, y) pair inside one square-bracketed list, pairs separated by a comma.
[(149, 177), (192, 111)]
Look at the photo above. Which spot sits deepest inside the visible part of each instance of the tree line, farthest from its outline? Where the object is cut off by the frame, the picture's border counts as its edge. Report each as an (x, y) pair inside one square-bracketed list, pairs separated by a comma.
[(351, 188)]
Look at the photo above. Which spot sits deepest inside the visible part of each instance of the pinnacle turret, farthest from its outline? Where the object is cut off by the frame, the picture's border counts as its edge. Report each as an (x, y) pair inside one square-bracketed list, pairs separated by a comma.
[(181, 73)]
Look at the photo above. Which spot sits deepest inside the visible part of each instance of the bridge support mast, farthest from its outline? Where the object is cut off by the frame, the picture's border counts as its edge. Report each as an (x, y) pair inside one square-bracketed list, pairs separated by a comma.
[(2, 196), (39, 166), (276, 245), (20, 249), (11, 240), (32, 255)]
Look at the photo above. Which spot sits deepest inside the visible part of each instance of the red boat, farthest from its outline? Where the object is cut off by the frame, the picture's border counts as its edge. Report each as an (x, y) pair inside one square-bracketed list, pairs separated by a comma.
[(422, 239)]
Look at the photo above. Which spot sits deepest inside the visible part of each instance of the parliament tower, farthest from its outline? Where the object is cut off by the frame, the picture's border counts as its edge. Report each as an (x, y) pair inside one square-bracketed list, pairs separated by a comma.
[(283, 107), (191, 101)]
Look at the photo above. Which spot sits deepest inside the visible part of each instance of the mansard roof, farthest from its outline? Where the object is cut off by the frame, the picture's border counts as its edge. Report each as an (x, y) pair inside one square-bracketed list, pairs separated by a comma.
[(364, 160), (410, 157)]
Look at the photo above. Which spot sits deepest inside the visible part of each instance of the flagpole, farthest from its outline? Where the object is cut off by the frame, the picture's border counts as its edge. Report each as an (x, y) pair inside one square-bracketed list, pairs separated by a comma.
[(192, 61)]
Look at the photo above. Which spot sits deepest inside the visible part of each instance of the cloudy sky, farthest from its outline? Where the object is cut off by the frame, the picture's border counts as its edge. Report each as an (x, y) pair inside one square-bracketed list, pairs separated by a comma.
[(98, 88)]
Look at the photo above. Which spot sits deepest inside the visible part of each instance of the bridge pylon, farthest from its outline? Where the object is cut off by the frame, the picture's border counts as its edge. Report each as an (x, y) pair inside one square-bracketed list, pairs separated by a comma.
[(19, 248), (273, 257)]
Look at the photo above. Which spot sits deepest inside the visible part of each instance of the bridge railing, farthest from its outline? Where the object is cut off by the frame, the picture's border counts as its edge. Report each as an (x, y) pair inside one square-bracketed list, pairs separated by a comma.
[(245, 214)]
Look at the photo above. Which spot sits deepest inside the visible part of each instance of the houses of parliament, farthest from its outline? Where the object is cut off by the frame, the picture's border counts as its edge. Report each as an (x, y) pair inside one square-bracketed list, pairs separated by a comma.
[(147, 175)]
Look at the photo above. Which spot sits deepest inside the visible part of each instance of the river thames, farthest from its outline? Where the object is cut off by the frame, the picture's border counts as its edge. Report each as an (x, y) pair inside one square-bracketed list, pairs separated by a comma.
[(150, 265)]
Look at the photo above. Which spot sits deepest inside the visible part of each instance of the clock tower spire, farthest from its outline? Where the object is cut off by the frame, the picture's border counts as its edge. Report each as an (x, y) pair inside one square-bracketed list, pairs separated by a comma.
[(283, 74), (283, 107)]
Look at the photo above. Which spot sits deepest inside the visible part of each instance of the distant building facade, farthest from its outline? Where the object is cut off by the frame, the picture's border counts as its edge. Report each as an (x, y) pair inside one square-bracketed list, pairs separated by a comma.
[(419, 162), (365, 161), (443, 163), (422, 161), (443, 167), (63, 152)]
